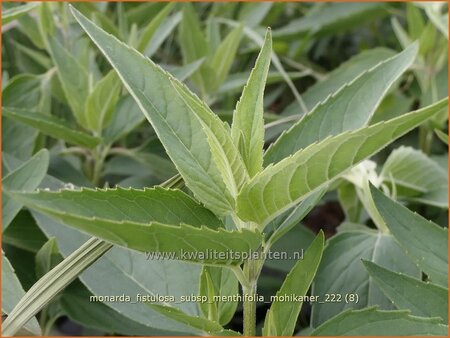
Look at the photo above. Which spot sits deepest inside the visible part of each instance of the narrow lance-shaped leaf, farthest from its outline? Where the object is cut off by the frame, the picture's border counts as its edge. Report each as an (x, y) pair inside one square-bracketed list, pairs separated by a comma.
[(12, 292), (208, 326), (247, 129), (25, 178), (152, 27), (52, 126), (408, 293), (178, 128), (16, 12), (218, 281), (410, 230), (74, 79), (349, 108), (373, 322), (442, 136), (193, 44), (150, 220), (223, 150), (284, 184), (224, 56), (282, 316), (52, 283), (101, 102)]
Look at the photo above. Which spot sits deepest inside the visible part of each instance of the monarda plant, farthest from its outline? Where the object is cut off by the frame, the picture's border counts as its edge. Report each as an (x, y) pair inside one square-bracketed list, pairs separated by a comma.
[(233, 197)]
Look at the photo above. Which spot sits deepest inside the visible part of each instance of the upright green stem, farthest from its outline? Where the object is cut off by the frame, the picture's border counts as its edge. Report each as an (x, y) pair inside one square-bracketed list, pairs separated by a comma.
[(99, 160), (250, 312), (249, 292)]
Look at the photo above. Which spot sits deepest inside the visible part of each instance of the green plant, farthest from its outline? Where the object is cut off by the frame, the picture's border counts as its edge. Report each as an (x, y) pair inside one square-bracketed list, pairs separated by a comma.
[(237, 197)]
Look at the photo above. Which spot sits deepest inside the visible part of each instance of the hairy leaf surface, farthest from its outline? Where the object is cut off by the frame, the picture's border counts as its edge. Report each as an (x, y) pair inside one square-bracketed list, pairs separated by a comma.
[(284, 184), (145, 220), (247, 129), (179, 129)]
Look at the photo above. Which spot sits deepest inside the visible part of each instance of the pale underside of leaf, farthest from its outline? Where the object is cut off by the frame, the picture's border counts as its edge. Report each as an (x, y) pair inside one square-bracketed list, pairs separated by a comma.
[(284, 184)]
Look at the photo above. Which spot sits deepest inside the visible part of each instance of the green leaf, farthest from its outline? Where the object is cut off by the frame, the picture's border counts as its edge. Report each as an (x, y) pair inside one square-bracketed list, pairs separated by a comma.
[(74, 79), (180, 131), (414, 174), (442, 136), (76, 304), (407, 293), (163, 32), (12, 292), (373, 322), (224, 56), (337, 78), (145, 220), (184, 72), (253, 14), (296, 241), (23, 233), (410, 230), (283, 223), (235, 82), (153, 26), (281, 318), (416, 23), (25, 178), (341, 271), (193, 44), (247, 129), (52, 126), (101, 102), (47, 258), (218, 281), (223, 150), (350, 203), (23, 91), (200, 323), (52, 283), (331, 18), (350, 107), (295, 177), (167, 277), (16, 12), (126, 117)]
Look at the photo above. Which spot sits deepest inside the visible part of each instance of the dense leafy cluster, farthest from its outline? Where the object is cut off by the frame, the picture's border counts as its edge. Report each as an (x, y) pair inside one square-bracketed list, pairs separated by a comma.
[(246, 138)]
